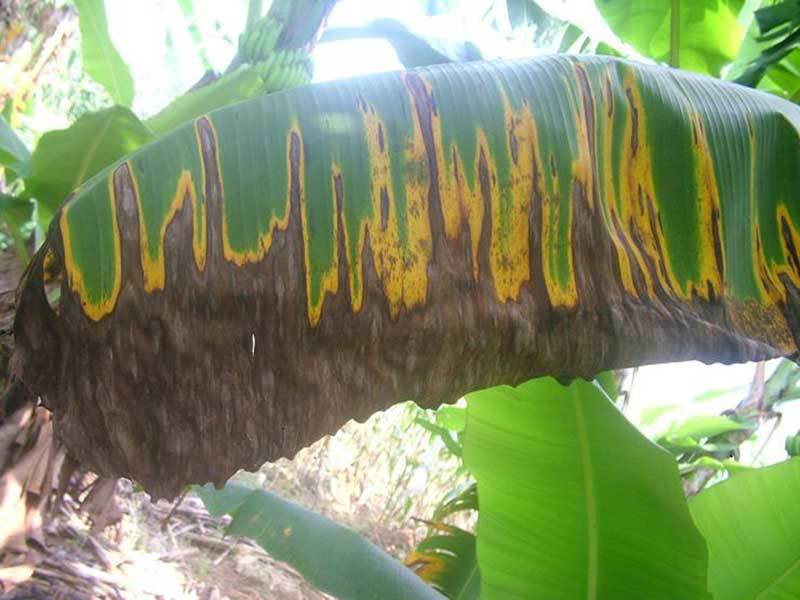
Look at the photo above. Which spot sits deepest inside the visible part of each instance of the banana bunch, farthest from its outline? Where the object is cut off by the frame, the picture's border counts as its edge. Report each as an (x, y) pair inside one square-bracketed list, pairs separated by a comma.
[(278, 69), (258, 42), (284, 69)]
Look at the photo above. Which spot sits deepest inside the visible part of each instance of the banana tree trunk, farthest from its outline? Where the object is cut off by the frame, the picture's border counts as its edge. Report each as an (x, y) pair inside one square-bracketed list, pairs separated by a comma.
[(247, 284)]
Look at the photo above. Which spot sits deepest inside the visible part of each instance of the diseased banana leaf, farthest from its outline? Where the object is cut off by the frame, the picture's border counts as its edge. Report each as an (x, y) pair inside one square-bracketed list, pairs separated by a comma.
[(245, 285)]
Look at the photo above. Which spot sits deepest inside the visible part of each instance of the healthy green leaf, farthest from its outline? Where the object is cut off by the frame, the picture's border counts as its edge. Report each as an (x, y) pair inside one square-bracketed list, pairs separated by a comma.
[(792, 445), (783, 78), (459, 501), (783, 14), (752, 523), (100, 58), (446, 559), (444, 434), (14, 154), (571, 35), (728, 465), (607, 381), (681, 445), (16, 212), (782, 384), (705, 426), (744, 69), (453, 418), (710, 33), (566, 484), (66, 158), (232, 87), (334, 558)]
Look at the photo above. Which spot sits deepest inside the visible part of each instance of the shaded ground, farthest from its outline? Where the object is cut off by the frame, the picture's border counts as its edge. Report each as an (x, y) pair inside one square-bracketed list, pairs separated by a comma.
[(147, 556), (375, 477)]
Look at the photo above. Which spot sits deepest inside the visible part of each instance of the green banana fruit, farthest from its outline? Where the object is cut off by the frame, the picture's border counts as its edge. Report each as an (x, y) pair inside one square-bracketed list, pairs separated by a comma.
[(265, 66), (258, 42), (272, 32), (247, 42)]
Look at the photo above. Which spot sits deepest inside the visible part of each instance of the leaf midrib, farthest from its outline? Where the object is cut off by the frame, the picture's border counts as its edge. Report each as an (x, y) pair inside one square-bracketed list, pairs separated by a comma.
[(80, 176), (784, 575), (590, 499)]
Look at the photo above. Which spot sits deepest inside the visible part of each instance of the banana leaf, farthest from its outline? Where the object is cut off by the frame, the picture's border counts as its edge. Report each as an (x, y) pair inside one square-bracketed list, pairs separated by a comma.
[(245, 285)]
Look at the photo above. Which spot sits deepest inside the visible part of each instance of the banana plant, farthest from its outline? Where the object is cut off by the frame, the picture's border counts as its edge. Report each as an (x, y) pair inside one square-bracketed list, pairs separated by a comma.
[(273, 54), (241, 287)]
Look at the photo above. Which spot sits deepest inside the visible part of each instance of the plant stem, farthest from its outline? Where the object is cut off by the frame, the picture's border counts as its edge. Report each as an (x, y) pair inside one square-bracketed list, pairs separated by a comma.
[(675, 34)]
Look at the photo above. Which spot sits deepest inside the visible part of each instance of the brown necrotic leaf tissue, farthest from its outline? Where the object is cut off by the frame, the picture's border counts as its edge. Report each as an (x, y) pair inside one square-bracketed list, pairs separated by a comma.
[(245, 285)]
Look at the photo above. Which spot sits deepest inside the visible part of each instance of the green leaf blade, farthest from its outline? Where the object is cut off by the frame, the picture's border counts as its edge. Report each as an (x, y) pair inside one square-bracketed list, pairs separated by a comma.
[(334, 558), (710, 34), (13, 152), (447, 560), (706, 426), (565, 483), (16, 212), (66, 158), (101, 60), (752, 524)]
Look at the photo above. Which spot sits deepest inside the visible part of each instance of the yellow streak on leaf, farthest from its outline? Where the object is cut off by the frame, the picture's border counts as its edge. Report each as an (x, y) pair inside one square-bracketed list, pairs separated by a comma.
[(640, 209), (509, 258), (402, 271), (614, 221), (200, 234), (460, 204), (709, 205), (153, 268), (787, 269)]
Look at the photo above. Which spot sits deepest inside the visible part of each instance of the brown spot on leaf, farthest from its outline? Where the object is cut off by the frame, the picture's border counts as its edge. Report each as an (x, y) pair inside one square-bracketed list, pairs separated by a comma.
[(384, 208), (425, 108), (790, 247), (712, 293), (717, 242), (609, 98), (513, 143), (486, 228)]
